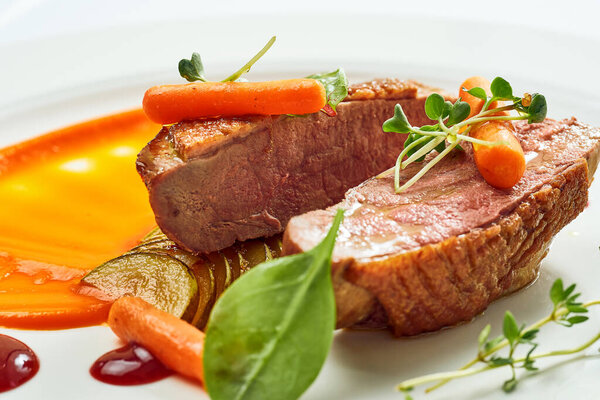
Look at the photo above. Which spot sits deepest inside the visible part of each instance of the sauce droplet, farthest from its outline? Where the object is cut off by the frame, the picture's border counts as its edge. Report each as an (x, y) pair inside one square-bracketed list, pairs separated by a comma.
[(129, 365), (18, 363)]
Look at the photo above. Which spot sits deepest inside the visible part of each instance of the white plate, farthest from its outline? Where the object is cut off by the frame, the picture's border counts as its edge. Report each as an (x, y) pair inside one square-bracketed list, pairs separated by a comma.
[(98, 72)]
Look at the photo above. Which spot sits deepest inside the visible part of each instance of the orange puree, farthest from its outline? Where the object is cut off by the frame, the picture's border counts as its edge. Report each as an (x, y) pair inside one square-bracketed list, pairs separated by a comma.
[(70, 200)]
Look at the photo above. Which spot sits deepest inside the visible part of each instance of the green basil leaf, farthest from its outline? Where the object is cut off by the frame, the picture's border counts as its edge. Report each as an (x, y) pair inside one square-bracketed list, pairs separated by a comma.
[(460, 110), (434, 106), (501, 89), (510, 327), (270, 332), (556, 292), (477, 92), (398, 123), (192, 70), (335, 84), (537, 109)]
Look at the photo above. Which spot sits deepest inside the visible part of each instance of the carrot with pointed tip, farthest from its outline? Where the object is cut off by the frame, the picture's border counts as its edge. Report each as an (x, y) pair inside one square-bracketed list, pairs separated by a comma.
[(503, 165), (168, 104), (177, 344)]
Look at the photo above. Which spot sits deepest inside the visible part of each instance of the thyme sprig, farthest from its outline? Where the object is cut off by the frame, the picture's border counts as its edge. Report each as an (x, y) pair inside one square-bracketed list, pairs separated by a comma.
[(566, 311), (453, 125)]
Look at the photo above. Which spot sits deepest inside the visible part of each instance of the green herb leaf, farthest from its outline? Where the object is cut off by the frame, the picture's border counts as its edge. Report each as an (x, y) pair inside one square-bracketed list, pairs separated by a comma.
[(571, 300), (577, 319), (537, 109), (406, 392), (398, 123), (484, 334), (510, 327), (501, 89), (460, 110), (192, 70), (529, 335), (434, 106), (500, 361), (246, 67), (567, 292), (336, 86), (509, 385), (576, 308), (556, 292), (493, 343), (447, 107), (477, 92), (270, 332), (528, 364)]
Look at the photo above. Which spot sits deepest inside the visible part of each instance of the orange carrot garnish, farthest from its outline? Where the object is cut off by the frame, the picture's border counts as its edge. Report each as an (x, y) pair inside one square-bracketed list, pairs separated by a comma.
[(501, 166), (177, 344), (168, 104), (475, 102)]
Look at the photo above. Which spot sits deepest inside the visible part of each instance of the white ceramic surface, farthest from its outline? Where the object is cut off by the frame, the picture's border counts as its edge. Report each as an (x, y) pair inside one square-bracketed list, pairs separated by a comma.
[(106, 70)]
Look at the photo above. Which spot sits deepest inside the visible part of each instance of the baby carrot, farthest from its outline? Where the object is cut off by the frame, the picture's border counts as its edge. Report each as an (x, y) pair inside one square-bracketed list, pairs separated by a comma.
[(475, 102), (177, 344), (168, 104), (502, 166)]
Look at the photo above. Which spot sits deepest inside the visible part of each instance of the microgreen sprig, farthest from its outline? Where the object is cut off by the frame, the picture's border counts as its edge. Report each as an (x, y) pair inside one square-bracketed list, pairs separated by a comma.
[(335, 82), (192, 70), (566, 312), (453, 125)]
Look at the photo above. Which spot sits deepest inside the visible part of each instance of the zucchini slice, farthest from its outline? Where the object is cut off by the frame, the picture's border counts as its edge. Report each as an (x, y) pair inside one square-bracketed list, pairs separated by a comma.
[(160, 279)]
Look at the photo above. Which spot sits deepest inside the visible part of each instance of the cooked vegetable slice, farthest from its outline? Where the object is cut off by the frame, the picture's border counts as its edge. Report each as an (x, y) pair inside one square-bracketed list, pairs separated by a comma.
[(254, 252), (169, 104), (165, 246), (152, 246), (160, 279), (177, 344), (207, 294), (220, 269), (154, 234), (475, 91), (501, 166), (213, 273)]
